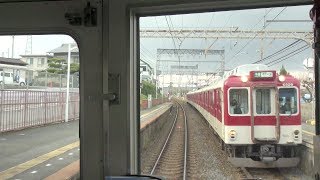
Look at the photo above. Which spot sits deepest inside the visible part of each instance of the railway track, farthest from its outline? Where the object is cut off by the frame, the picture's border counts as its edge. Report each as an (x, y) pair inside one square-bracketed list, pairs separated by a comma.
[(168, 157), (259, 174), (172, 159)]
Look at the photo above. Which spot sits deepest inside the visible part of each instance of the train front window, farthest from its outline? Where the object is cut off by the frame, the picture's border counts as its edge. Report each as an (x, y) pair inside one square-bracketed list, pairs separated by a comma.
[(263, 101), (288, 101), (238, 101), (205, 59)]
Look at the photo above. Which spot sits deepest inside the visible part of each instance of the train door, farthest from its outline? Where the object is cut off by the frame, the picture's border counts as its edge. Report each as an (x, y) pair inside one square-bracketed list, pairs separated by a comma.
[(265, 115)]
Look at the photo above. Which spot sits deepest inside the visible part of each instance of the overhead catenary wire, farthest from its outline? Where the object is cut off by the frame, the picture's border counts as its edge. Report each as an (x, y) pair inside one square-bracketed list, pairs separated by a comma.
[(295, 43), (287, 56), (255, 35), (147, 52), (305, 48), (207, 48), (174, 43)]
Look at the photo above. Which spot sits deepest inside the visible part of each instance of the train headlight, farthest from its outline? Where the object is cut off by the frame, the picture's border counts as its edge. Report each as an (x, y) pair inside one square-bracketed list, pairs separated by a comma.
[(282, 78), (232, 134), (296, 134), (244, 78)]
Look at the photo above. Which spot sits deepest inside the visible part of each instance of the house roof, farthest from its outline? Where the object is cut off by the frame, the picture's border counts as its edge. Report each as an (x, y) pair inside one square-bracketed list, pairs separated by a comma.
[(12, 61), (64, 49), (36, 55), (143, 62)]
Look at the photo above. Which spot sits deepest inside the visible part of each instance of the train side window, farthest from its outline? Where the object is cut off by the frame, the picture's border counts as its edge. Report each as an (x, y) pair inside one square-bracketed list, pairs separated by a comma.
[(212, 98), (288, 101), (238, 101)]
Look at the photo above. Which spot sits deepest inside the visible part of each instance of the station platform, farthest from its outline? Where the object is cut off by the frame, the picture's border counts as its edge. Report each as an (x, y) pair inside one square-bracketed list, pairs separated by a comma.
[(149, 115), (308, 131), (52, 151)]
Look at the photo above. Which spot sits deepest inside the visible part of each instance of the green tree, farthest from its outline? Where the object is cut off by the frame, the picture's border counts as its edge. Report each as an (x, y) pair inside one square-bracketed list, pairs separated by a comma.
[(59, 66), (148, 88), (74, 67), (56, 65), (283, 71)]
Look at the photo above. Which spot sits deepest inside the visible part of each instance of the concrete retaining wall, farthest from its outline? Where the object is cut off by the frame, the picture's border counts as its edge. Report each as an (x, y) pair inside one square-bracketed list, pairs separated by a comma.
[(153, 130), (306, 159), (307, 111)]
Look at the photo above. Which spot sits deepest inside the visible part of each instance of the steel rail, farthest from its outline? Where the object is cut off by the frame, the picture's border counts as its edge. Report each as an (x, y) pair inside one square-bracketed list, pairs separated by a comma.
[(165, 144), (185, 144)]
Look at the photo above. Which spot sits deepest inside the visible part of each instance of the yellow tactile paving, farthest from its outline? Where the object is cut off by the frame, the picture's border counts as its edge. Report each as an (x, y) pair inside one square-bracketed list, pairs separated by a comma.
[(67, 172), (9, 173)]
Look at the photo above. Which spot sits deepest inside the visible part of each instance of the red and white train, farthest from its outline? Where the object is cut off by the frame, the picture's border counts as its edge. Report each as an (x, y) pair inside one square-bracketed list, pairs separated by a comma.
[(256, 114)]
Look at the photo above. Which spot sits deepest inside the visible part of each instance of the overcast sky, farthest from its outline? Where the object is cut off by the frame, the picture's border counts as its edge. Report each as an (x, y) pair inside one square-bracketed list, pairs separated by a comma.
[(234, 55), (235, 52), (40, 44)]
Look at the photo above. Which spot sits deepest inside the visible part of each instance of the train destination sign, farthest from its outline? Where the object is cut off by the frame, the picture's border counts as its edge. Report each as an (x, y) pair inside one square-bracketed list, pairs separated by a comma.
[(262, 75)]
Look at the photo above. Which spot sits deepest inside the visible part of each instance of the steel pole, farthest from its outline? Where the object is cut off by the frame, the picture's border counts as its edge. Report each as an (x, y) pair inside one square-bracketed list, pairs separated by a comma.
[(68, 82)]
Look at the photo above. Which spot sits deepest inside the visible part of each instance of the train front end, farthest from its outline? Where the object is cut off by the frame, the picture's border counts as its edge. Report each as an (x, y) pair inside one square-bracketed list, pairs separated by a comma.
[(262, 119)]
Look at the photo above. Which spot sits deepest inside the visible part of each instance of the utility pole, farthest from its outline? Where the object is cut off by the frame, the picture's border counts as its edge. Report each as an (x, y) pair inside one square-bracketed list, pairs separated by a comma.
[(262, 39), (28, 49), (157, 77), (12, 50)]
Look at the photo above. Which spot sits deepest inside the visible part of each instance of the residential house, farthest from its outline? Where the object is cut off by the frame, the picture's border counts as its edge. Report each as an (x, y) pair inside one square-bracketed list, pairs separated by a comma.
[(146, 71), (36, 62), (62, 52), (13, 67)]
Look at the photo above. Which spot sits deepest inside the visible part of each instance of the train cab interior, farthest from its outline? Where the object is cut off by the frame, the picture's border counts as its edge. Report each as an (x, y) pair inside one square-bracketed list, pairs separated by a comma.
[(107, 34)]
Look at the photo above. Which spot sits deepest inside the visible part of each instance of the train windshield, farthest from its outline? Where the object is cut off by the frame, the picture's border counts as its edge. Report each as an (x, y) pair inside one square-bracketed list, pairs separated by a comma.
[(238, 101), (288, 101)]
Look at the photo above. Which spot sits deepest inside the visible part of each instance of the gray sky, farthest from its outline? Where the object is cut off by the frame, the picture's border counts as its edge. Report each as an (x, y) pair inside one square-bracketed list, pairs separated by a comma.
[(40, 44), (244, 19)]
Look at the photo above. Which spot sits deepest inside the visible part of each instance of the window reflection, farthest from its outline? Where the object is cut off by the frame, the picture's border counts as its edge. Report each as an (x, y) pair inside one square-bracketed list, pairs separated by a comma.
[(238, 99), (263, 101), (288, 100)]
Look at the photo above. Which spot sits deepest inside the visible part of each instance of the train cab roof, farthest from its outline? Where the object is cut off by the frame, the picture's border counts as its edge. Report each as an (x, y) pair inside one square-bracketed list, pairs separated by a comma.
[(244, 70)]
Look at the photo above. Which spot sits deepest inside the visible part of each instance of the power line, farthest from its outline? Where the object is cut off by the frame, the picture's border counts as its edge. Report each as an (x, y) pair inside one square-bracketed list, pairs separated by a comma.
[(289, 20), (145, 58), (155, 18), (174, 43), (279, 51), (211, 20), (290, 55), (287, 54), (293, 53), (256, 34), (148, 52)]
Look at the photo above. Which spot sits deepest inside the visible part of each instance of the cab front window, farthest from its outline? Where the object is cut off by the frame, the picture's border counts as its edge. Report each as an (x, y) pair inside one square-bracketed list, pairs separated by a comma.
[(238, 101), (288, 101)]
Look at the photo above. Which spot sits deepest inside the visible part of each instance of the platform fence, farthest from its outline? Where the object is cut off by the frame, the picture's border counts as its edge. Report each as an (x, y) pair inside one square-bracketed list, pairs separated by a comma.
[(21, 109)]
